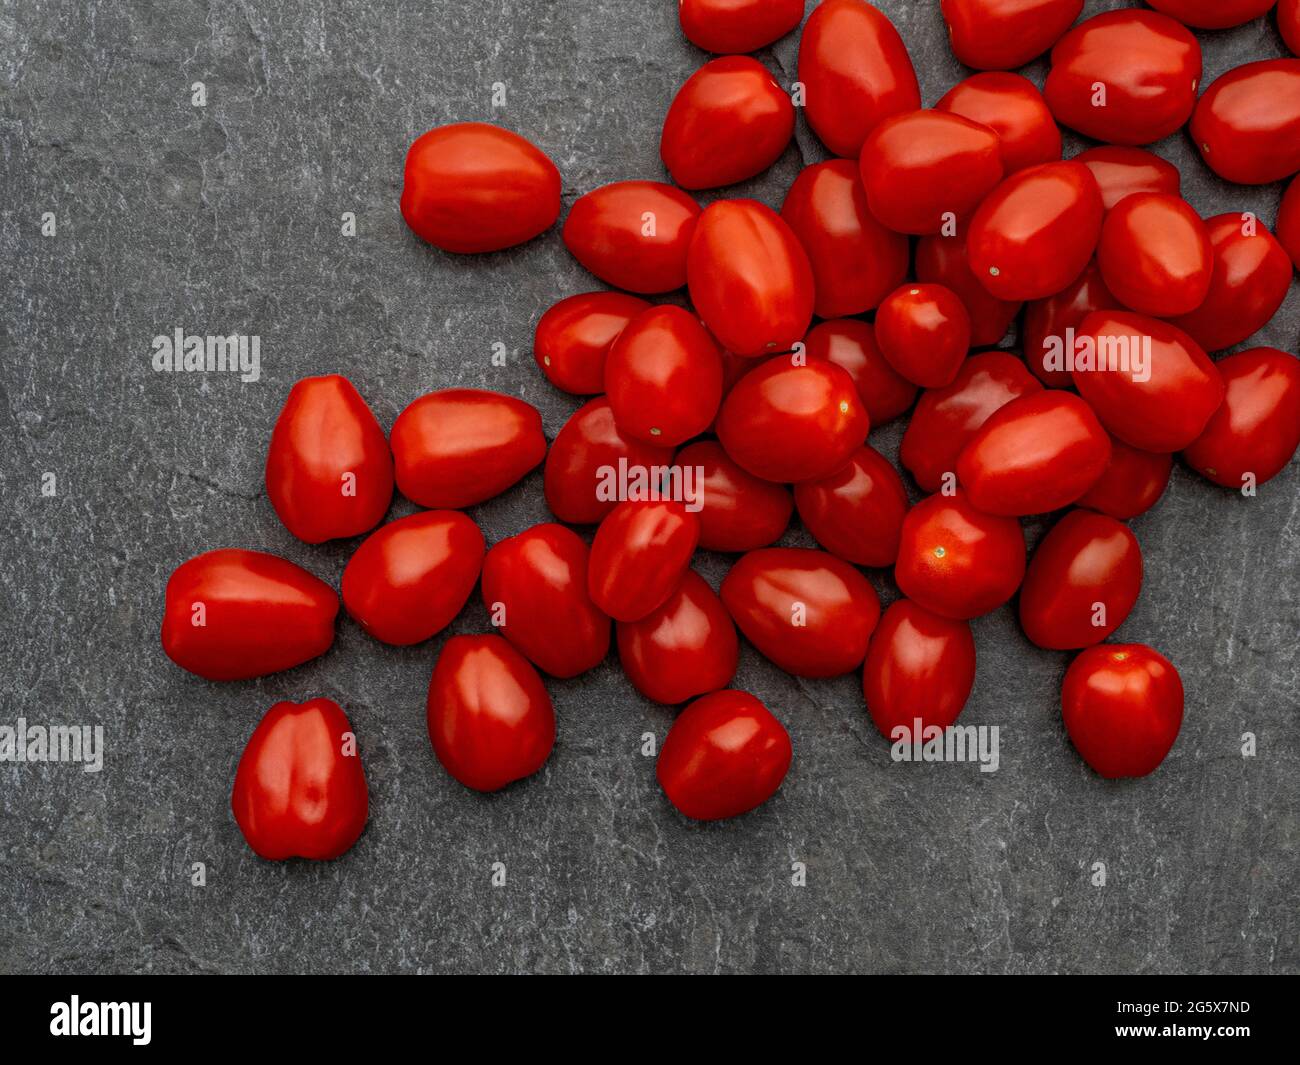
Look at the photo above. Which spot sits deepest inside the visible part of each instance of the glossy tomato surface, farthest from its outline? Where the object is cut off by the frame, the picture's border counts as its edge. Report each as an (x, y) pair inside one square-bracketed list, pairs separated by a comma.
[(856, 513), (1155, 255), (1002, 34), (924, 333), (574, 336), (1288, 23), (1131, 483), (1213, 14), (639, 556), (735, 26), (1122, 170), (1011, 106), (1247, 125), (1288, 222), (737, 511), (942, 260), (1048, 322), (850, 344)]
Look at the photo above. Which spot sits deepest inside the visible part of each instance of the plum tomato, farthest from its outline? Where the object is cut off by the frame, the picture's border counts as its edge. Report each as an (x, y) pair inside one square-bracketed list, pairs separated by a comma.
[(1213, 14), (1288, 222), (738, 511), (1288, 23), (942, 260), (1247, 125), (1121, 170), (851, 344), (1011, 106), (857, 512), (1048, 321), (639, 555), (924, 333), (574, 336), (1002, 34), (737, 26), (1155, 255), (1131, 483)]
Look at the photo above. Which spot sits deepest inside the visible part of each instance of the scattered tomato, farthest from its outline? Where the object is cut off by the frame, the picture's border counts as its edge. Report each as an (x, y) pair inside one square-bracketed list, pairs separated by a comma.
[(1002, 34), (1121, 170), (737, 26), (924, 333), (1213, 14), (574, 336), (1048, 322), (738, 511), (850, 344), (857, 512), (943, 261), (1131, 483), (1155, 255), (1247, 125), (1011, 106), (1288, 23), (640, 554)]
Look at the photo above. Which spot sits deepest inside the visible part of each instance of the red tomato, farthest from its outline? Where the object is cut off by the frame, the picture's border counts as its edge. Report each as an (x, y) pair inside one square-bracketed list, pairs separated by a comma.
[(535, 591), (793, 421), (1213, 14), (1036, 454), (490, 719), (300, 791), (735, 26), (857, 512), (1155, 255), (1168, 410), (409, 579), (724, 755), (575, 335), (942, 260), (329, 472), (1288, 23), (1082, 582), (855, 260), (808, 612), (1131, 483), (749, 277), (1247, 125), (1047, 321), (856, 72), (947, 418), (1035, 232), (1001, 34), (1288, 222), (460, 446), (728, 122), (633, 234), (685, 647), (1121, 171), (920, 666), (924, 333), (851, 345), (1015, 110), (738, 511), (588, 451), (640, 554), (1257, 429), (958, 561), (1122, 704), (471, 187), (1125, 77), (232, 614)]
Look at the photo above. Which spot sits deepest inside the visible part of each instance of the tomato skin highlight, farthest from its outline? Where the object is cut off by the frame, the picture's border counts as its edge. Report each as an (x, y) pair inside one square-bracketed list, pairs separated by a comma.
[(943, 261), (1002, 34), (1047, 320), (1131, 484), (574, 336), (736, 26), (924, 333), (857, 512), (1213, 14), (1155, 255), (850, 344), (1011, 106), (738, 511), (1247, 124), (1120, 171), (640, 554)]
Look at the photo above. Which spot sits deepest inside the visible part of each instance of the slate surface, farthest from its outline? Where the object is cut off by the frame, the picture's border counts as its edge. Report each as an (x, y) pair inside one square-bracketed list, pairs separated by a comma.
[(226, 218)]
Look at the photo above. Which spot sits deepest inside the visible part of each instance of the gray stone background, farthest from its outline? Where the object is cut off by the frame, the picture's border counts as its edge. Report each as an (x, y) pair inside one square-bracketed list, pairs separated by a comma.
[(226, 219)]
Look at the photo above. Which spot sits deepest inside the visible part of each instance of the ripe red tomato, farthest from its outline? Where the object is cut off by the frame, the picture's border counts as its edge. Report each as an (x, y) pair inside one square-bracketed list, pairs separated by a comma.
[(232, 614), (1288, 23), (724, 755), (920, 665), (1125, 77), (460, 446), (1035, 232), (857, 512), (856, 72), (409, 579), (300, 790), (1011, 106), (1247, 125), (737, 26), (793, 420), (851, 345), (749, 278), (1121, 171), (1168, 410), (574, 336), (535, 590), (329, 473), (640, 554), (1001, 34), (738, 511), (683, 648), (1131, 483), (490, 718), (633, 234), (1257, 429), (471, 187), (1047, 322), (958, 561), (1213, 14), (1122, 704), (943, 261), (855, 260), (946, 419), (1288, 222), (924, 333), (808, 612), (1082, 582), (1155, 255)]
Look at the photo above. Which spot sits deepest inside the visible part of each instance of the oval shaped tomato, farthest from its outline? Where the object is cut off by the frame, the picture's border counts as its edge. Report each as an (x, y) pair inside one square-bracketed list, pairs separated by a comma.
[(943, 261), (1247, 125), (738, 511), (1131, 483), (574, 336), (1121, 170), (409, 579), (472, 187), (924, 333), (855, 71), (1213, 14), (851, 345), (1049, 324), (1122, 704), (232, 614), (1011, 106), (857, 512), (1001, 34), (733, 26), (639, 555), (1288, 222), (329, 473), (1155, 255), (1288, 23), (920, 668), (855, 260), (535, 590), (1082, 582), (490, 718), (807, 611), (723, 755)]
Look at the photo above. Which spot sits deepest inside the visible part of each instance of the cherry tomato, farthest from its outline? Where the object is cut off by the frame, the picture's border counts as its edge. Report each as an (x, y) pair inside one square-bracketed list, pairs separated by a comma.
[(640, 554), (851, 345), (1121, 170), (232, 614), (1131, 483), (300, 791), (856, 261), (633, 234), (1125, 77), (920, 666), (1155, 255), (750, 278), (807, 611), (1082, 582), (1247, 125), (683, 648), (1035, 232), (1213, 14), (1257, 429), (535, 591), (793, 421), (958, 561), (724, 755), (409, 579), (574, 336), (1288, 222), (1015, 110), (329, 472), (490, 719), (472, 187), (924, 333), (1001, 34), (1288, 23), (855, 71), (1122, 704), (942, 260), (738, 511), (857, 512), (736, 26), (1047, 322)]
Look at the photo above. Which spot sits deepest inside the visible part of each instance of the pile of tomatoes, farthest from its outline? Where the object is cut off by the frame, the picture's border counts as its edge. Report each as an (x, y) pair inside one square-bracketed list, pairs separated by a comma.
[(709, 427)]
